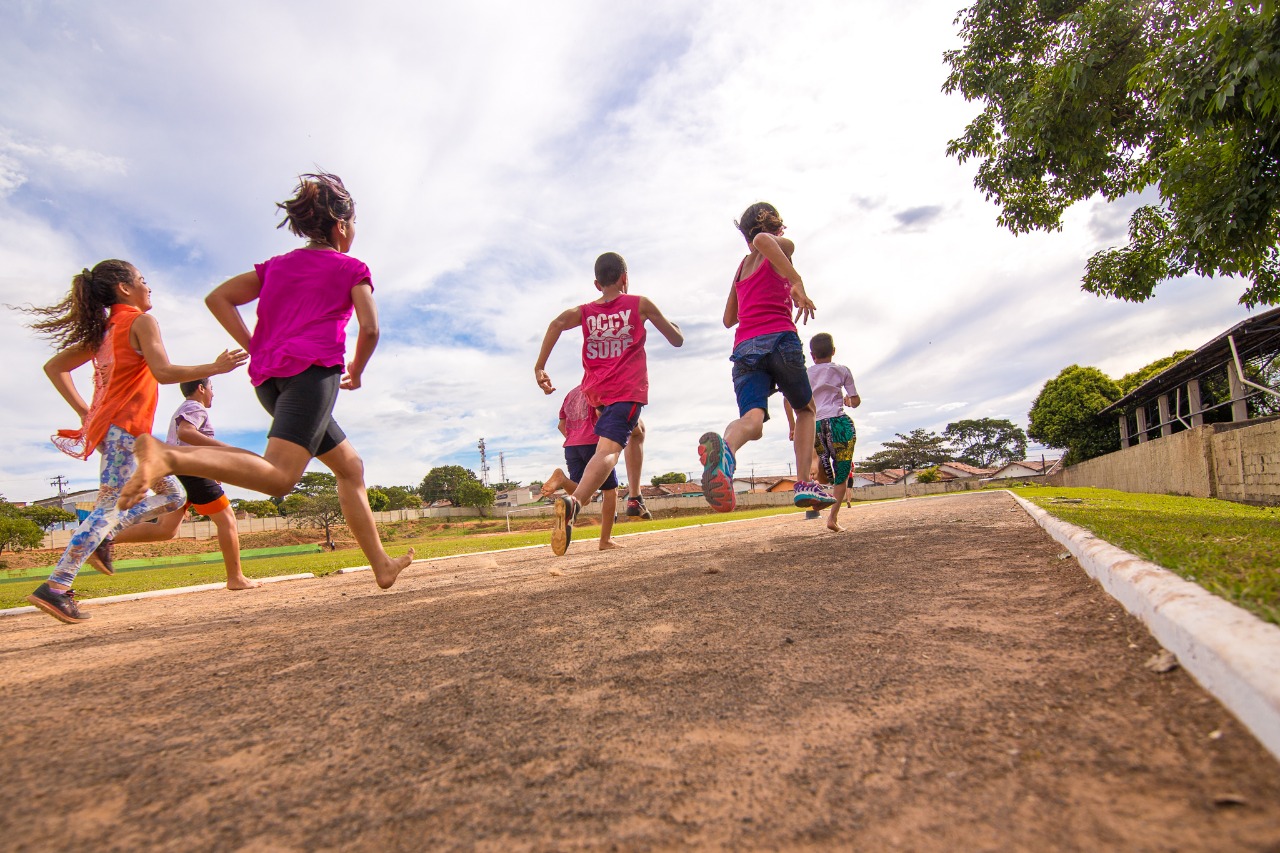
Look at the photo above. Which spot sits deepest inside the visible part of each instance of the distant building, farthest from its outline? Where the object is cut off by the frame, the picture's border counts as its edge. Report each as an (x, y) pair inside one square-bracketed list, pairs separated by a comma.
[(1027, 468)]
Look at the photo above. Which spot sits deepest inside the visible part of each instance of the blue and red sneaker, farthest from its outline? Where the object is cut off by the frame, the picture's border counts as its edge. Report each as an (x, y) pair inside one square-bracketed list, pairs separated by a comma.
[(717, 472)]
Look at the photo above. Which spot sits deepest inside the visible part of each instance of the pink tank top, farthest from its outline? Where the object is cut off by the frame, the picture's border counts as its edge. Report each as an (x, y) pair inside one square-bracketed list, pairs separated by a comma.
[(613, 360), (764, 304)]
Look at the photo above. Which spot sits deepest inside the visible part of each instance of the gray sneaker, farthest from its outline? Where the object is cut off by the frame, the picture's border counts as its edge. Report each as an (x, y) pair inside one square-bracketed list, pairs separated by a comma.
[(59, 605)]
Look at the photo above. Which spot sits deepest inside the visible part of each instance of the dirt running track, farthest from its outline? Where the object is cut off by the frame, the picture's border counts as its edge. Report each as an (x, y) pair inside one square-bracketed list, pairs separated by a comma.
[(934, 679)]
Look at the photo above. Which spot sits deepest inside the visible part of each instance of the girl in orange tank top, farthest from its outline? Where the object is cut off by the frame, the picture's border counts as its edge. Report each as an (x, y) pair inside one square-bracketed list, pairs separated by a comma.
[(104, 320)]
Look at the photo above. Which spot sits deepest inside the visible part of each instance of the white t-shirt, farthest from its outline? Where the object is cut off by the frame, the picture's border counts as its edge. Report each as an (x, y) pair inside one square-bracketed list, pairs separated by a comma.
[(193, 413), (830, 383)]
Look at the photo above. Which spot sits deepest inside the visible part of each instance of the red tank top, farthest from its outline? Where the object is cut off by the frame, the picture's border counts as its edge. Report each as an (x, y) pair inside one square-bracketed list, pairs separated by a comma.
[(124, 391), (764, 304), (613, 359)]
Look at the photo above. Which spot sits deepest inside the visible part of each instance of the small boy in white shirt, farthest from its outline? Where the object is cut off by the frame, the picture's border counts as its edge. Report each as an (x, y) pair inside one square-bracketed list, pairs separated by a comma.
[(835, 435)]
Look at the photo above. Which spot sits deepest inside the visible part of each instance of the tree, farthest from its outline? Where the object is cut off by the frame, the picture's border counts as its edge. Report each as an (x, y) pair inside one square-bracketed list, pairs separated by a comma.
[(474, 493), (669, 477), (322, 510), (929, 475), (315, 483), (378, 500), (1112, 97), (986, 442), (443, 483), (1132, 380), (919, 449), (1065, 414), (506, 486), (260, 509), (400, 497), (18, 533), (46, 517)]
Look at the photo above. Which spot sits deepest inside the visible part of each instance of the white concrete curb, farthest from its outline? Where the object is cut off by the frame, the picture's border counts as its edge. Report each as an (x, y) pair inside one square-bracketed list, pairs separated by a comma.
[(157, 593), (1232, 653)]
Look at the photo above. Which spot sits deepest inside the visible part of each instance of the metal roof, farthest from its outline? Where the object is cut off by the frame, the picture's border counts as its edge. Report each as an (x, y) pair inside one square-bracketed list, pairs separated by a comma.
[(1253, 336)]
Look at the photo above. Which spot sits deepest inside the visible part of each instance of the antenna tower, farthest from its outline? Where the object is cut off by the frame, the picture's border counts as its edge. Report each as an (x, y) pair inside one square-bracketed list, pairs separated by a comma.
[(484, 464)]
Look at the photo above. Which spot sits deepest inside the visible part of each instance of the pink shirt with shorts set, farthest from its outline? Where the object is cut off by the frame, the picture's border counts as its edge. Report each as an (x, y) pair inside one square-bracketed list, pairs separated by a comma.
[(613, 358)]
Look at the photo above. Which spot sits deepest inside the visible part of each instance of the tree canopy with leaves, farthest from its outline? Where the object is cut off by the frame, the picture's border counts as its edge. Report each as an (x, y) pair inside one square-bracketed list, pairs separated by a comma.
[(986, 442), (669, 477), (1109, 98), (444, 482), (17, 532), (916, 450), (1065, 414)]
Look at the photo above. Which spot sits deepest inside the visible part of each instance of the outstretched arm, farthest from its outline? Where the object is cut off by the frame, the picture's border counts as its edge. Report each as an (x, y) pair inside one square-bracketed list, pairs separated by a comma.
[(568, 319), (225, 300), (669, 330), (144, 334), (59, 368), (778, 251), (366, 338)]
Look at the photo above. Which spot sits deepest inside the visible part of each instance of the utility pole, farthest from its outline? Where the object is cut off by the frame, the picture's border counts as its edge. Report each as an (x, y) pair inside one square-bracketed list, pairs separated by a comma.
[(484, 464), (502, 466), (61, 482)]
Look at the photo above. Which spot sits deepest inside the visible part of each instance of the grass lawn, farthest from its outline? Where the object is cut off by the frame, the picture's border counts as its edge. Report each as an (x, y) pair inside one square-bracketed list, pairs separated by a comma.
[(1230, 549), (452, 539)]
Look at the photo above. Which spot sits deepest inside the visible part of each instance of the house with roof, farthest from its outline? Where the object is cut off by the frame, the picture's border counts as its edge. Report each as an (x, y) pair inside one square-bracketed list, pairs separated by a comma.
[(1027, 468), (861, 479), (742, 485)]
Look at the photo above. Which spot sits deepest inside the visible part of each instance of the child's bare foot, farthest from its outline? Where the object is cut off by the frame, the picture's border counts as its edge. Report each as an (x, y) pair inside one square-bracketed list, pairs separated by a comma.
[(554, 483), (609, 545), (153, 464), (834, 526), (242, 582), (387, 574)]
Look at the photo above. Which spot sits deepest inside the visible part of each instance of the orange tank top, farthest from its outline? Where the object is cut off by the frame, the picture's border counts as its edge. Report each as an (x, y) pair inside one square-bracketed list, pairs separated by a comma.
[(124, 391)]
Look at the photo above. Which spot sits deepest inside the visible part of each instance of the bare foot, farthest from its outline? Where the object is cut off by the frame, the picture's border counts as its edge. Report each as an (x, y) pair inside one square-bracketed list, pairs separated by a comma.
[(834, 527), (152, 465), (609, 545), (554, 483), (387, 575), (242, 582)]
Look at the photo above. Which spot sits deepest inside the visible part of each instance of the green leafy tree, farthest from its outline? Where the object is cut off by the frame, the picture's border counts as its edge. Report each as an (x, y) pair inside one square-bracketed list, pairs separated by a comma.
[(986, 442), (1132, 380), (506, 486), (260, 509), (320, 510), (1065, 414), (315, 483), (400, 497), (443, 483), (46, 517), (18, 533), (474, 493), (1085, 98), (378, 500), (929, 475), (669, 477), (916, 450)]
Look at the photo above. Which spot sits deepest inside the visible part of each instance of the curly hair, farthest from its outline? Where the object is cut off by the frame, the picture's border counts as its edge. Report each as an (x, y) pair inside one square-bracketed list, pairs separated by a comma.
[(81, 317), (319, 203), (759, 217)]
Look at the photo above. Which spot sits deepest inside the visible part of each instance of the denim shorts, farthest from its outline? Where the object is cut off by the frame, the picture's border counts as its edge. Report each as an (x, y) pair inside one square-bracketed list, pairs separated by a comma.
[(576, 457), (617, 420), (768, 363)]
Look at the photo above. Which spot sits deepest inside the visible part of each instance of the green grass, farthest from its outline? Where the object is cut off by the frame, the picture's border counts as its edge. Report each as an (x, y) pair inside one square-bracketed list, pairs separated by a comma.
[(1230, 549), (454, 539)]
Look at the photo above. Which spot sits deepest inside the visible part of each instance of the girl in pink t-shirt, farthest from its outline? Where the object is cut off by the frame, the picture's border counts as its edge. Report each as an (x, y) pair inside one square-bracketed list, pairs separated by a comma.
[(297, 352), (767, 357)]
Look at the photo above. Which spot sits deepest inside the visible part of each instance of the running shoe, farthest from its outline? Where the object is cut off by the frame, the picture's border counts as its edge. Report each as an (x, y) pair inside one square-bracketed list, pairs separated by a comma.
[(103, 557), (812, 495), (59, 605), (567, 507), (717, 472), (635, 506)]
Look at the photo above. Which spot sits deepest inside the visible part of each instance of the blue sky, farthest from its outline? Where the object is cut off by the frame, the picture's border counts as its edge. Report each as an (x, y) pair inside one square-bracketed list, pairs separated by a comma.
[(493, 152)]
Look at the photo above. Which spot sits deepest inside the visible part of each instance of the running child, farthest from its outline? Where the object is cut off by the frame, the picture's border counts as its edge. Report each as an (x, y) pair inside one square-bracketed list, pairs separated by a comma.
[(189, 426), (767, 357), (577, 424), (104, 319), (834, 433), (298, 346), (615, 380)]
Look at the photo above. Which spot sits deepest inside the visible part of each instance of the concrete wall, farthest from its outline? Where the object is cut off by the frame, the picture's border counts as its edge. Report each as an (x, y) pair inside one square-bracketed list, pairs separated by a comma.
[(1237, 462)]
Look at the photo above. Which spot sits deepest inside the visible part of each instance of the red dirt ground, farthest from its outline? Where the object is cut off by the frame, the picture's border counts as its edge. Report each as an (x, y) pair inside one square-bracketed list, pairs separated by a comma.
[(936, 678)]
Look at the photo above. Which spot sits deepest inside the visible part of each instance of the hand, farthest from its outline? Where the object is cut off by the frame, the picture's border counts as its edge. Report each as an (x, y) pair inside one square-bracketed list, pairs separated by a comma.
[(350, 381), (544, 381), (804, 305), (229, 360), (791, 433)]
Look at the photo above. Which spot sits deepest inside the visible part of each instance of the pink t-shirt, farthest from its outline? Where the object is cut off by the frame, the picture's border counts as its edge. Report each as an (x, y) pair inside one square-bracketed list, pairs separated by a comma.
[(303, 310), (613, 359), (764, 304), (579, 419)]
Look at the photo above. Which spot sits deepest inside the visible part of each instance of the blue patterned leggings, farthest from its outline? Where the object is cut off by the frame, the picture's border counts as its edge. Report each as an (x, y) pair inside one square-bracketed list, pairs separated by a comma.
[(118, 465)]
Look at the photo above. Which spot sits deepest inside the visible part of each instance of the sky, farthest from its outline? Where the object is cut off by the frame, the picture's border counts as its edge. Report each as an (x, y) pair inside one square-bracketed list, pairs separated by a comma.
[(494, 149)]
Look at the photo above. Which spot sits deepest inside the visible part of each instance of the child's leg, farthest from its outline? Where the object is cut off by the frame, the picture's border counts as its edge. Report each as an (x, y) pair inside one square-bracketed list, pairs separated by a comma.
[(598, 469), (557, 481), (608, 509), (749, 427), (803, 444), (162, 529), (274, 473), (833, 518), (117, 466), (633, 456), (348, 467), (229, 544)]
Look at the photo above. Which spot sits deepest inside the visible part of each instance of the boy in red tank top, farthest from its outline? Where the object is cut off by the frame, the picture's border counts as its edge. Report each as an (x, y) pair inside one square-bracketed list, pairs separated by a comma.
[(615, 375)]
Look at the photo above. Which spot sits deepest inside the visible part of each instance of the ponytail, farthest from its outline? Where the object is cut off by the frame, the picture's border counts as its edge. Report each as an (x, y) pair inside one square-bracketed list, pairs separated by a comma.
[(80, 319)]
